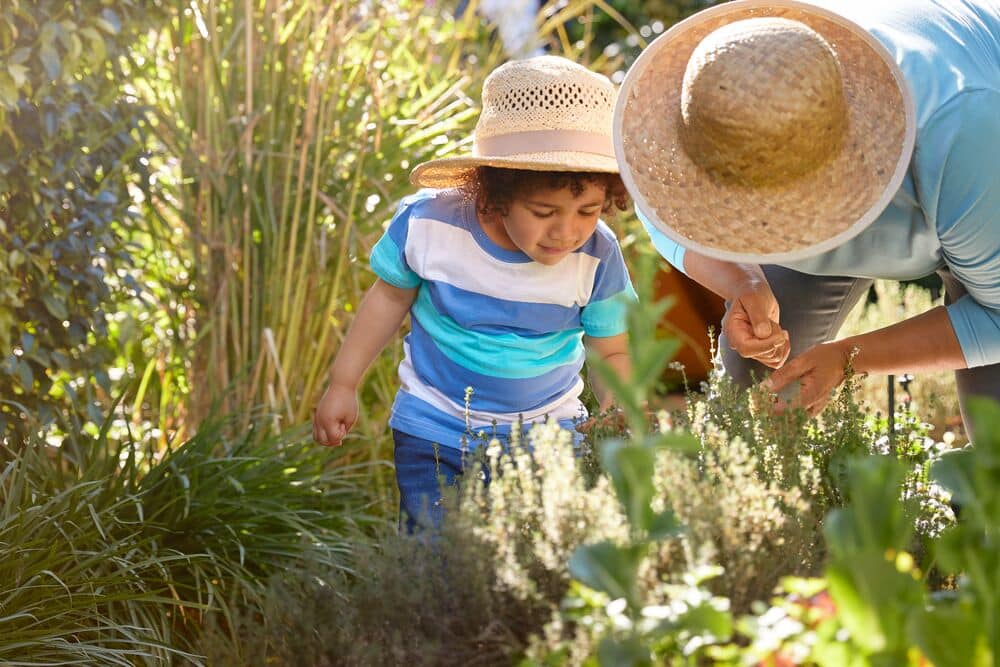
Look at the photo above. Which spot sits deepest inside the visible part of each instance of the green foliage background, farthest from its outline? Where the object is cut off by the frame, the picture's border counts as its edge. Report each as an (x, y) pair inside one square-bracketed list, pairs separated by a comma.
[(70, 147)]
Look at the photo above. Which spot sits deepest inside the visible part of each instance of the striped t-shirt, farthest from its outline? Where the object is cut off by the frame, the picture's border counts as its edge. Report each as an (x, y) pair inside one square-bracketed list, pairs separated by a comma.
[(492, 320)]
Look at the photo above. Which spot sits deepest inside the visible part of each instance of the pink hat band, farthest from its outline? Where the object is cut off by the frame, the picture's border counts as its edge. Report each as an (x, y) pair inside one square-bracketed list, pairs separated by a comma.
[(544, 141)]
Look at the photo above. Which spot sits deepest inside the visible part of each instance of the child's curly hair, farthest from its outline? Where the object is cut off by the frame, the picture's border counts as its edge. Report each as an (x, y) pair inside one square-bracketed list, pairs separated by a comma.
[(494, 188)]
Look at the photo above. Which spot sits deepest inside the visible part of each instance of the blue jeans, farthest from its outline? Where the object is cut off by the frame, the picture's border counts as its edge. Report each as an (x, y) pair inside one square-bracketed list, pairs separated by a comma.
[(423, 469)]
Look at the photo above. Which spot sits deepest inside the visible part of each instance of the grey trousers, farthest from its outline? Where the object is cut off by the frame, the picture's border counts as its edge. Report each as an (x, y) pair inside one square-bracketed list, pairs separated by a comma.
[(814, 307)]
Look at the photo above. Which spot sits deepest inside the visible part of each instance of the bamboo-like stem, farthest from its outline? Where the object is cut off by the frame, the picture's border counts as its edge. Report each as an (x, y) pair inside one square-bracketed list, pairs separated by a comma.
[(247, 263), (302, 282)]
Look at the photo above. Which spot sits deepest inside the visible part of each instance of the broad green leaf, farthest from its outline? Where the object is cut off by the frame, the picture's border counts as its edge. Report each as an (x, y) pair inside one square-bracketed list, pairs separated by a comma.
[(664, 525), (874, 519), (707, 621), (55, 306), (956, 471), (630, 467), (8, 90), (629, 652), (949, 635), (873, 599), (51, 62), (609, 568), (25, 374), (854, 611), (19, 73)]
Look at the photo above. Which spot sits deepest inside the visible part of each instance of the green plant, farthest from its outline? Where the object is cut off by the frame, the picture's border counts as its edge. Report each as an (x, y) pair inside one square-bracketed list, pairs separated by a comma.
[(332, 107), (129, 553), (875, 605), (930, 396), (70, 147), (78, 584), (972, 548)]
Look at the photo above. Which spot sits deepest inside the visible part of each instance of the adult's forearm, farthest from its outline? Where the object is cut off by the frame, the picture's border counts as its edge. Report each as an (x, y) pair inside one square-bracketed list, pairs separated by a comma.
[(379, 316), (724, 278), (923, 343)]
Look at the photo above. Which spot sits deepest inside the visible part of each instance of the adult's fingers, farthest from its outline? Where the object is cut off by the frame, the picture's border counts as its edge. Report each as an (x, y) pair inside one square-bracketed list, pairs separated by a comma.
[(759, 309), (784, 376), (776, 355), (760, 347)]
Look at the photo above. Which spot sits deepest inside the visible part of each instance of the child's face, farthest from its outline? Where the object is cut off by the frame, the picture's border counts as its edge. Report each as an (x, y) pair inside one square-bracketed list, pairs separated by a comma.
[(547, 225)]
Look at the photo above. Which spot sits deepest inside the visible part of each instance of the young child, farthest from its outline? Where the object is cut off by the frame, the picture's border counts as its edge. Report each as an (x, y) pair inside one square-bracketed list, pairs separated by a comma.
[(507, 272)]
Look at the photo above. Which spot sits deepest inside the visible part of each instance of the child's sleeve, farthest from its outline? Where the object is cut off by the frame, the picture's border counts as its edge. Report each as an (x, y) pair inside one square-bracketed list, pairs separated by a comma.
[(604, 314), (388, 258)]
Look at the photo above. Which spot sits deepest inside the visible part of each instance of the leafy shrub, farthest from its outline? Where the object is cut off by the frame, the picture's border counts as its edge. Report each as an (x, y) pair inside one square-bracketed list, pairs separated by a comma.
[(649, 578), (69, 147), (932, 396), (875, 604)]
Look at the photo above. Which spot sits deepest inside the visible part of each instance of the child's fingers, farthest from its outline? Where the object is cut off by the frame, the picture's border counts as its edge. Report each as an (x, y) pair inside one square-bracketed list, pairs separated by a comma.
[(338, 434)]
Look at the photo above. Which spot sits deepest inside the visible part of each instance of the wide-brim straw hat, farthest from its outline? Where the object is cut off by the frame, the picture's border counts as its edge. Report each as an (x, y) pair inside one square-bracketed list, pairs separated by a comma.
[(763, 132), (542, 114)]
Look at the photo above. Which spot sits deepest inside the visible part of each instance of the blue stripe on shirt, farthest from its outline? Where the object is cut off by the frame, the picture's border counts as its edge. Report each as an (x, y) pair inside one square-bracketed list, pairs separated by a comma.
[(669, 249), (490, 315)]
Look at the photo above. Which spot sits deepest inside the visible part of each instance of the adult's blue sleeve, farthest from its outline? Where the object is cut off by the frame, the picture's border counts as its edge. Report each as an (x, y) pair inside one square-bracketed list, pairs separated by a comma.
[(958, 185), (388, 258), (669, 249)]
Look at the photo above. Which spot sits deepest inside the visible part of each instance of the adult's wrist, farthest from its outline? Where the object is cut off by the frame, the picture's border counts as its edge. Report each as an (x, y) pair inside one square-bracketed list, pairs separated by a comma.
[(850, 352)]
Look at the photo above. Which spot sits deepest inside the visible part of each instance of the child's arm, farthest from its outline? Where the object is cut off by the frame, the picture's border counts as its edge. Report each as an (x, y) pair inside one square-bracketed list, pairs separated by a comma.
[(379, 316), (614, 351)]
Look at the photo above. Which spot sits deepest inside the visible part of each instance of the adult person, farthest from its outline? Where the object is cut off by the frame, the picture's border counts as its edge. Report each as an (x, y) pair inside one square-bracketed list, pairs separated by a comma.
[(784, 154)]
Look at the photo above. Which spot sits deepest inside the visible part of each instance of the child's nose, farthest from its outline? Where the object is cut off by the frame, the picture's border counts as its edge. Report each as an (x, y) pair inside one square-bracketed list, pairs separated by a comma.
[(562, 228)]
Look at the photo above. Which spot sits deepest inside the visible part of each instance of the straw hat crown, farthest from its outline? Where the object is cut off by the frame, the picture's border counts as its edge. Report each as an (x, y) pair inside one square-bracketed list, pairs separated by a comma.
[(759, 125), (546, 113), (766, 131), (545, 93)]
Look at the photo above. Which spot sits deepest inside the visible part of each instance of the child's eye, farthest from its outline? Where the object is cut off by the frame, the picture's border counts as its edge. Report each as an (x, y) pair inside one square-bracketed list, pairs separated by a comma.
[(539, 214)]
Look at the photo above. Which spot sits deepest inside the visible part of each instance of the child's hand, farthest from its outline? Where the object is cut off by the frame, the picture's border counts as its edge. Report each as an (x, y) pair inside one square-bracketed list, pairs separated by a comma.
[(612, 420), (335, 415)]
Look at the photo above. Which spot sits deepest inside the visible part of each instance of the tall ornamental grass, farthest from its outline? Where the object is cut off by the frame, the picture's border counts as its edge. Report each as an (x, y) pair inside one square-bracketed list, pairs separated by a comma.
[(288, 132)]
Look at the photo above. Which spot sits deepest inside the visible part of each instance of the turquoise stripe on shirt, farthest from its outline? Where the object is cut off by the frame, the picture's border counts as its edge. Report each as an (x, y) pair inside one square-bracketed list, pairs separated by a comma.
[(500, 355)]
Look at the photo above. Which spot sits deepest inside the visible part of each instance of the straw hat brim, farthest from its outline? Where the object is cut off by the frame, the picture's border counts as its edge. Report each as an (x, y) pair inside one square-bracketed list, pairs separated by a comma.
[(451, 172), (778, 223)]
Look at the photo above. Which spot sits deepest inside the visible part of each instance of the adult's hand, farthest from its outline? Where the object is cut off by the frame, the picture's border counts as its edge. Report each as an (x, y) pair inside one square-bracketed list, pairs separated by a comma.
[(751, 325), (812, 376)]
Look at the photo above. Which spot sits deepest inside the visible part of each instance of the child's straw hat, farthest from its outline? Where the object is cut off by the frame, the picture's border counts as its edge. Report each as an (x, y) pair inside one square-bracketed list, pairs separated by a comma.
[(543, 114), (763, 131)]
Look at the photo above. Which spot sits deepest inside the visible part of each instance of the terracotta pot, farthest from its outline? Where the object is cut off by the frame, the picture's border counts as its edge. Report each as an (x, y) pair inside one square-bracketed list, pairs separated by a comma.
[(695, 310)]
